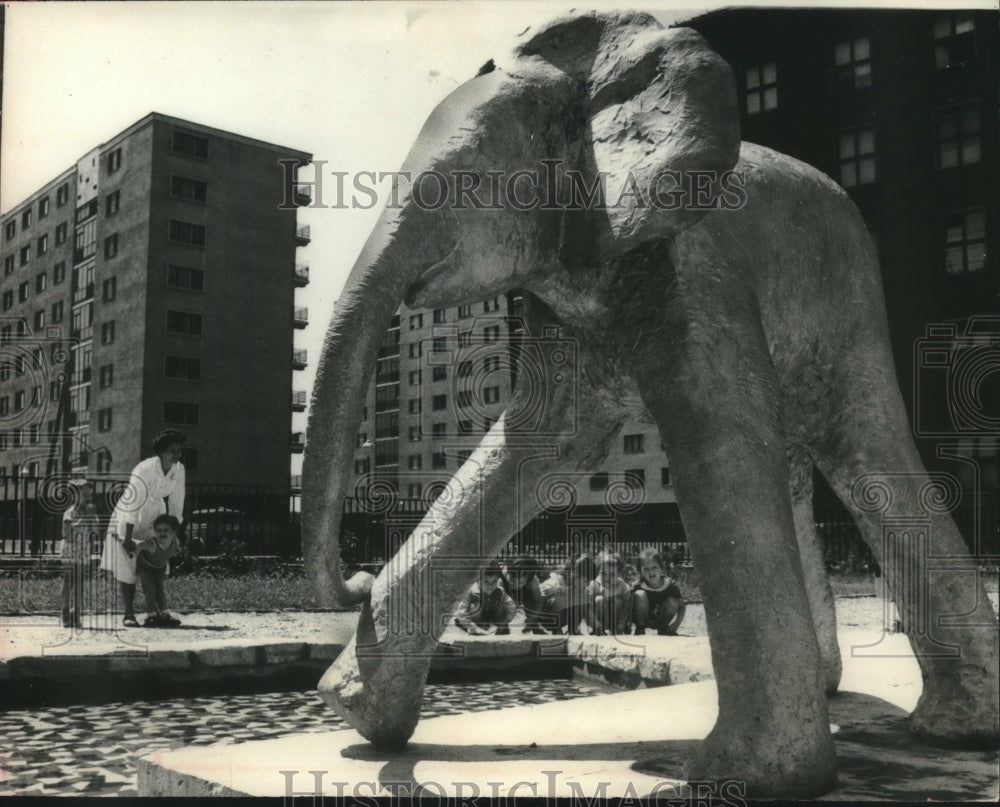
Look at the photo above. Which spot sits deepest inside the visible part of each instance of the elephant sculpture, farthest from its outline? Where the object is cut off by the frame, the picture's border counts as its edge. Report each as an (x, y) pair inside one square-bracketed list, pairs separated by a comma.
[(731, 291)]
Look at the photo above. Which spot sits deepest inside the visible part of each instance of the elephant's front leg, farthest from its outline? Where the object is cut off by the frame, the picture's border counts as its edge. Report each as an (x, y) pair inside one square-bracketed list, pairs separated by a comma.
[(713, 397)]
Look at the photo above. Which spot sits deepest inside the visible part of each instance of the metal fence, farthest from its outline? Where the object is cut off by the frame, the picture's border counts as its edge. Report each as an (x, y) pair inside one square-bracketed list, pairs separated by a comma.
[(31, 510)]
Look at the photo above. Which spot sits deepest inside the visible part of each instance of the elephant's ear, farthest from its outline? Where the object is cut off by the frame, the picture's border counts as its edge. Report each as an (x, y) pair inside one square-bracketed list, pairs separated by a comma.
[(661, 104)]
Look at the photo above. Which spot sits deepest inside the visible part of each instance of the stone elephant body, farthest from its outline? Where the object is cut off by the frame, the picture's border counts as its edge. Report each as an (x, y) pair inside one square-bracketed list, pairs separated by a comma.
[(753, 335)]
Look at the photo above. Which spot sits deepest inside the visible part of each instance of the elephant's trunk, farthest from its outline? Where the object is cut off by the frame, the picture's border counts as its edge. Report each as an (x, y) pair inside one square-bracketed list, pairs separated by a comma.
[(381, 275)]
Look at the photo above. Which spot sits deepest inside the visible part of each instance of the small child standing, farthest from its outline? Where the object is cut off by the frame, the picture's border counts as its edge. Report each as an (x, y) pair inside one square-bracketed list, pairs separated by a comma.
[(486, 604), (610, 596), (656, 599), (151, 568), (79, 523)]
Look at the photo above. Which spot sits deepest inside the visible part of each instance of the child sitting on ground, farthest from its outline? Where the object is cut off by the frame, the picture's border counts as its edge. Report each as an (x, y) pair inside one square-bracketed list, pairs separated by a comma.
[(564, 593), (610, 596), (151, 567), (79, 524), (526, 591), (656, 599), (486, 605)]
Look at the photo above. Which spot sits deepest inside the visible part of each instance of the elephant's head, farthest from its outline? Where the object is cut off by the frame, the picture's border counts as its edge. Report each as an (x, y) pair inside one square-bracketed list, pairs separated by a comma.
[(616, 96)]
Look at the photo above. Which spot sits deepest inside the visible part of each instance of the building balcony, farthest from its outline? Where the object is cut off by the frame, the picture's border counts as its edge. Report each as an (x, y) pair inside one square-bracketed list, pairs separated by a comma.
[(302, 236), (83, 294), (301, 276), (299, 401), (300, 317), (303, 195), (296, 483), (298, 442), (300, 359)]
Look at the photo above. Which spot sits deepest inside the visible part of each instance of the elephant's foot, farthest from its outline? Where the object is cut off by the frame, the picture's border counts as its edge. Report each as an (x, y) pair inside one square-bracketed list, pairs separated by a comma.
[(379, 695), (790, 761), (958, 709)]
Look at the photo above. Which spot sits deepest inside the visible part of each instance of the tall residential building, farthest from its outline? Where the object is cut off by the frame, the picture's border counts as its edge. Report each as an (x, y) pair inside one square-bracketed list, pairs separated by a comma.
[(900, 107), (151, 285)]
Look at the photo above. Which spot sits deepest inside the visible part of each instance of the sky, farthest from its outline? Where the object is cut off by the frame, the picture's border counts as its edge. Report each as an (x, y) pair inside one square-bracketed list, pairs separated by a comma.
[(350, 83)]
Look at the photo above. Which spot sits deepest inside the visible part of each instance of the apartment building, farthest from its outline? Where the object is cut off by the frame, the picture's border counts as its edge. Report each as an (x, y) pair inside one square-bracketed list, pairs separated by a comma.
[(152, 285)]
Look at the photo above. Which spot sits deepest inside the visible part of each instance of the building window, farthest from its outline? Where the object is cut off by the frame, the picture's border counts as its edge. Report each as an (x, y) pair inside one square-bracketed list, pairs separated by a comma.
[(109, 289), (439, 373), (416, 350), (954, 39), (491, 394), (43, 207), (965, 243), (25, 256), (466, 426), (416, 321), (414, 434), (665, 477), (439, 429), (184, 277), (62, 231), (39, 322), (416, 376), (491, 305), (414, 490), (361, 466), (22, 291), (191, 189), (184, 232), (439, 402), (8, 300), (40, 282), (183, 414), (465, 339), (464, 311), (114, 160), (464, 399), (57, 312), (958, 135), (53, 396), (104, 420), (8, 265), (491, 364), (414, 462), (183, 322), (58, 273), (112, 203), (106, 376), (26, 219), (104, 461), (4, 405), (414, 406), (598, 481), (190, 145), (10, 230), (183, 367), (36, 395), (438, 316), (464, 369), (107, 332), (856, 157), (439, 344), (762, 88), (42, 245), (438, 460), (62, 195), (491, 334), (634, 444), (111, 246), (635, 478)]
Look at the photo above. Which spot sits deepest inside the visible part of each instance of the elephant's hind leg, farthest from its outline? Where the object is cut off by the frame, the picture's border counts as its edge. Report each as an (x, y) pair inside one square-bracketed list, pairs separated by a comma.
[(821, 602)]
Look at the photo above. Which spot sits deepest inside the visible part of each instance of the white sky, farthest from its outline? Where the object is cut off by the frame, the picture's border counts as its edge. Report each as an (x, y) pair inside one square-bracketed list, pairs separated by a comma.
[(349, 82)]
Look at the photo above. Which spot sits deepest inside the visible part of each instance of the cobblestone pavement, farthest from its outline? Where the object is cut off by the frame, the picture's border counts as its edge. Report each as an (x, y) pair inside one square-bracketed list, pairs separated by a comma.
[(93, 750)]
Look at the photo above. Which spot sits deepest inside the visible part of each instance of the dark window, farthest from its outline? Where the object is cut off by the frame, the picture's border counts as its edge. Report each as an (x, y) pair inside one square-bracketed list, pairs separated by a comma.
[(438, 316), (57, 312), (40, 282), (491, 364), (183, 414), (24, 256), (112, 203), (39, 320), (109, 289), (414, 462), (633, 443), (762, 88), (22, 291), (43, 207), (491, 334), (58, 273), (438, 460), (958, 135), (184, 322), (416, 321), (598, 481), (10, 229), (491, 394), (464, 398), (439, 373), (107, 375), (43, 244), (954, 39), (190, 145), (464, 369), (965, 243), (191, 189), (184, 367), (439, 429), (416, 376), (491, 305), (464, 311), (415, 436), (635, 477), (416, 350), (852, 63), (184, 232), (8, 265), (86, 211), (856, 157), (665, 477), (114, 160), (439, 402), (414, 406), (439, 344), (26, 219), (62, 233), (184, 277), (107, 332), (104, 420), (414, 490), (62, 195), (8, 300)]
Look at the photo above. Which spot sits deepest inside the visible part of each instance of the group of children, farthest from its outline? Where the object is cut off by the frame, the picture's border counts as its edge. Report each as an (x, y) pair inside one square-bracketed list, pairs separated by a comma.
[(80, 523), (584, 591)]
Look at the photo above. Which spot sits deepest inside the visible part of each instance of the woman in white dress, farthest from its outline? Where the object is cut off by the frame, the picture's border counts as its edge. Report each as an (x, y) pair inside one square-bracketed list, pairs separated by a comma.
[(155, 487)]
